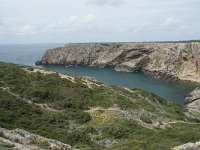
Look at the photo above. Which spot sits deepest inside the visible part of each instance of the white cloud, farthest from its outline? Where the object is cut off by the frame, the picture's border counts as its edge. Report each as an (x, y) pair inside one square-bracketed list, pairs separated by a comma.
[(57, 26), (1, 22), (27, 29), (89, 18), (141, 27), (183, 27), (106, 2), (98, 20), (72, 19), (71, 23), (171, 22)]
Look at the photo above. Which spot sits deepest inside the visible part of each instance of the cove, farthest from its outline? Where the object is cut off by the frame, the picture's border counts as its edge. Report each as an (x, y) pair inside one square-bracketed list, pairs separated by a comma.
[(28, 54), (174, 91)]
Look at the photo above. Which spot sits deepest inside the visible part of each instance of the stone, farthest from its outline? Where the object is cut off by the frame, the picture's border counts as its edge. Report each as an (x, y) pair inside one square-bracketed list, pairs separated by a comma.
[(188, 146), (192, 106), (23, 140), (166, 60)]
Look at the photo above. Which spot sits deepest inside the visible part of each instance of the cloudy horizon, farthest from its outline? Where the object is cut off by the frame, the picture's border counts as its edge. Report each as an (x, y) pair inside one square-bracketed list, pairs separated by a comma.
[(61, 21)]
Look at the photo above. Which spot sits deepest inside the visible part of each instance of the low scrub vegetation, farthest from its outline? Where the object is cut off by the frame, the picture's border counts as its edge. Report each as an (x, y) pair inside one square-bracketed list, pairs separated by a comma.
[(66, 118)]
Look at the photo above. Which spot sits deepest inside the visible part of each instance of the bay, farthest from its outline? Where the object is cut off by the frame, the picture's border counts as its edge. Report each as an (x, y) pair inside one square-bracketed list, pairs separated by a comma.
[(28, 54)]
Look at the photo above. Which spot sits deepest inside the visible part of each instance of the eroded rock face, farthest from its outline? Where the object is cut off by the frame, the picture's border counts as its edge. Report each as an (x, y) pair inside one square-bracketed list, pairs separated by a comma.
[(167, 60), (24, 140), (192, 107), (188, 146), (133, 64), (175, 60), (196, 54)]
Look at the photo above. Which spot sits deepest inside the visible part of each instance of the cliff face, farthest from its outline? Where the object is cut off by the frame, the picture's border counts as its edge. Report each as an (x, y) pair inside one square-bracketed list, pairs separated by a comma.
[(192, 106), (168, 60), (23, 140)]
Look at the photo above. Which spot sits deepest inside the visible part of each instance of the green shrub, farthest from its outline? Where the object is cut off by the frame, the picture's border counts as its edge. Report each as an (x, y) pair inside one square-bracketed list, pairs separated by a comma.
[(145, 119), (116, 131), (73, 99), (79, 116)]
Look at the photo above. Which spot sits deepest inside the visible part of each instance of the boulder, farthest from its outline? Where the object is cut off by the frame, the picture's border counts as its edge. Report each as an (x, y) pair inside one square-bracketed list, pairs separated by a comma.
[(188, 146), (23, 140), (192, 104)]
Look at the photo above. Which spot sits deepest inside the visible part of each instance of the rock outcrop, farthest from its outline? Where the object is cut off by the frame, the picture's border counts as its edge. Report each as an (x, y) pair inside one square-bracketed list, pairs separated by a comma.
[(23, 140), (188, 146), (167, 60), (192, 107)]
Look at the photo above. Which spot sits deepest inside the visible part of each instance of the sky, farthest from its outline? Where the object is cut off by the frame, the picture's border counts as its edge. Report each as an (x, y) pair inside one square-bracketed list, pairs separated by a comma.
[(64, 21)]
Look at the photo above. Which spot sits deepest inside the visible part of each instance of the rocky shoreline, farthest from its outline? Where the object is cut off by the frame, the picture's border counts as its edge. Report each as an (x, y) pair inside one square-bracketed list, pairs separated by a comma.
[(170, 61)]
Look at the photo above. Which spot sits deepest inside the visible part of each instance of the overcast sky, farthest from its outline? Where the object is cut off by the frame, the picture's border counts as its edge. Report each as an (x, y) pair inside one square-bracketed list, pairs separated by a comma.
[(52, 21)]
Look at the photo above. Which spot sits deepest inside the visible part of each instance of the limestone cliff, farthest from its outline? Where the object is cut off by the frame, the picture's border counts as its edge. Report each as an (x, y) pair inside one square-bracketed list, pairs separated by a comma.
[(192, 107), (167, 60)]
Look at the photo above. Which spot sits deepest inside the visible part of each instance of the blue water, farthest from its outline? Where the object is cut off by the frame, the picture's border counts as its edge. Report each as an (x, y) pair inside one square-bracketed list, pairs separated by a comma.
[(29, 53), (24, 53)]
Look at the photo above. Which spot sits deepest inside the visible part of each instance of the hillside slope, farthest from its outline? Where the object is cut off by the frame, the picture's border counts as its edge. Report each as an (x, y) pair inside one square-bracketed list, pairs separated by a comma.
[(89, 115), (180, 60)]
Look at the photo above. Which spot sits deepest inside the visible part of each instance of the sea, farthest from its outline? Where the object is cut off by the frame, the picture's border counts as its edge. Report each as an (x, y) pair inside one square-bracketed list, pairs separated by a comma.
[(28, 54)]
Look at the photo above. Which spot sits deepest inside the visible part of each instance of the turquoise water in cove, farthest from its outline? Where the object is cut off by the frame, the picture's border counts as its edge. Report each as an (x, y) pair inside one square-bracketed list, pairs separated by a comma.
[(28, 54)]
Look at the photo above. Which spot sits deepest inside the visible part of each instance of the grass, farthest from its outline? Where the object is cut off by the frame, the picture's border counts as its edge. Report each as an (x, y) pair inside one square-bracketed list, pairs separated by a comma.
[(73, 124)]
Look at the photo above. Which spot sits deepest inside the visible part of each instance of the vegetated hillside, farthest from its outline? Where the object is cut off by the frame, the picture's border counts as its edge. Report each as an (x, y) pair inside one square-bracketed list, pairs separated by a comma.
[(87, 114)]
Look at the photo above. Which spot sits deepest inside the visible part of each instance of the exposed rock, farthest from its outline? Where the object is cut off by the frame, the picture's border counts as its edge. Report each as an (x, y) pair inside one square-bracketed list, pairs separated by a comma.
[(188, 146), (196, 54), (132, 65), (90, 78), (38, 62), (24, 140), (192, 107), (193, 96), (166, 60)]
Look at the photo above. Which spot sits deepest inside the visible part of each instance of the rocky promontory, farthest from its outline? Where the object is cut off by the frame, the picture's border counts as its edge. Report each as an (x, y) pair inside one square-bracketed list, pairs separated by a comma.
[(192, 106), (175, 60)]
